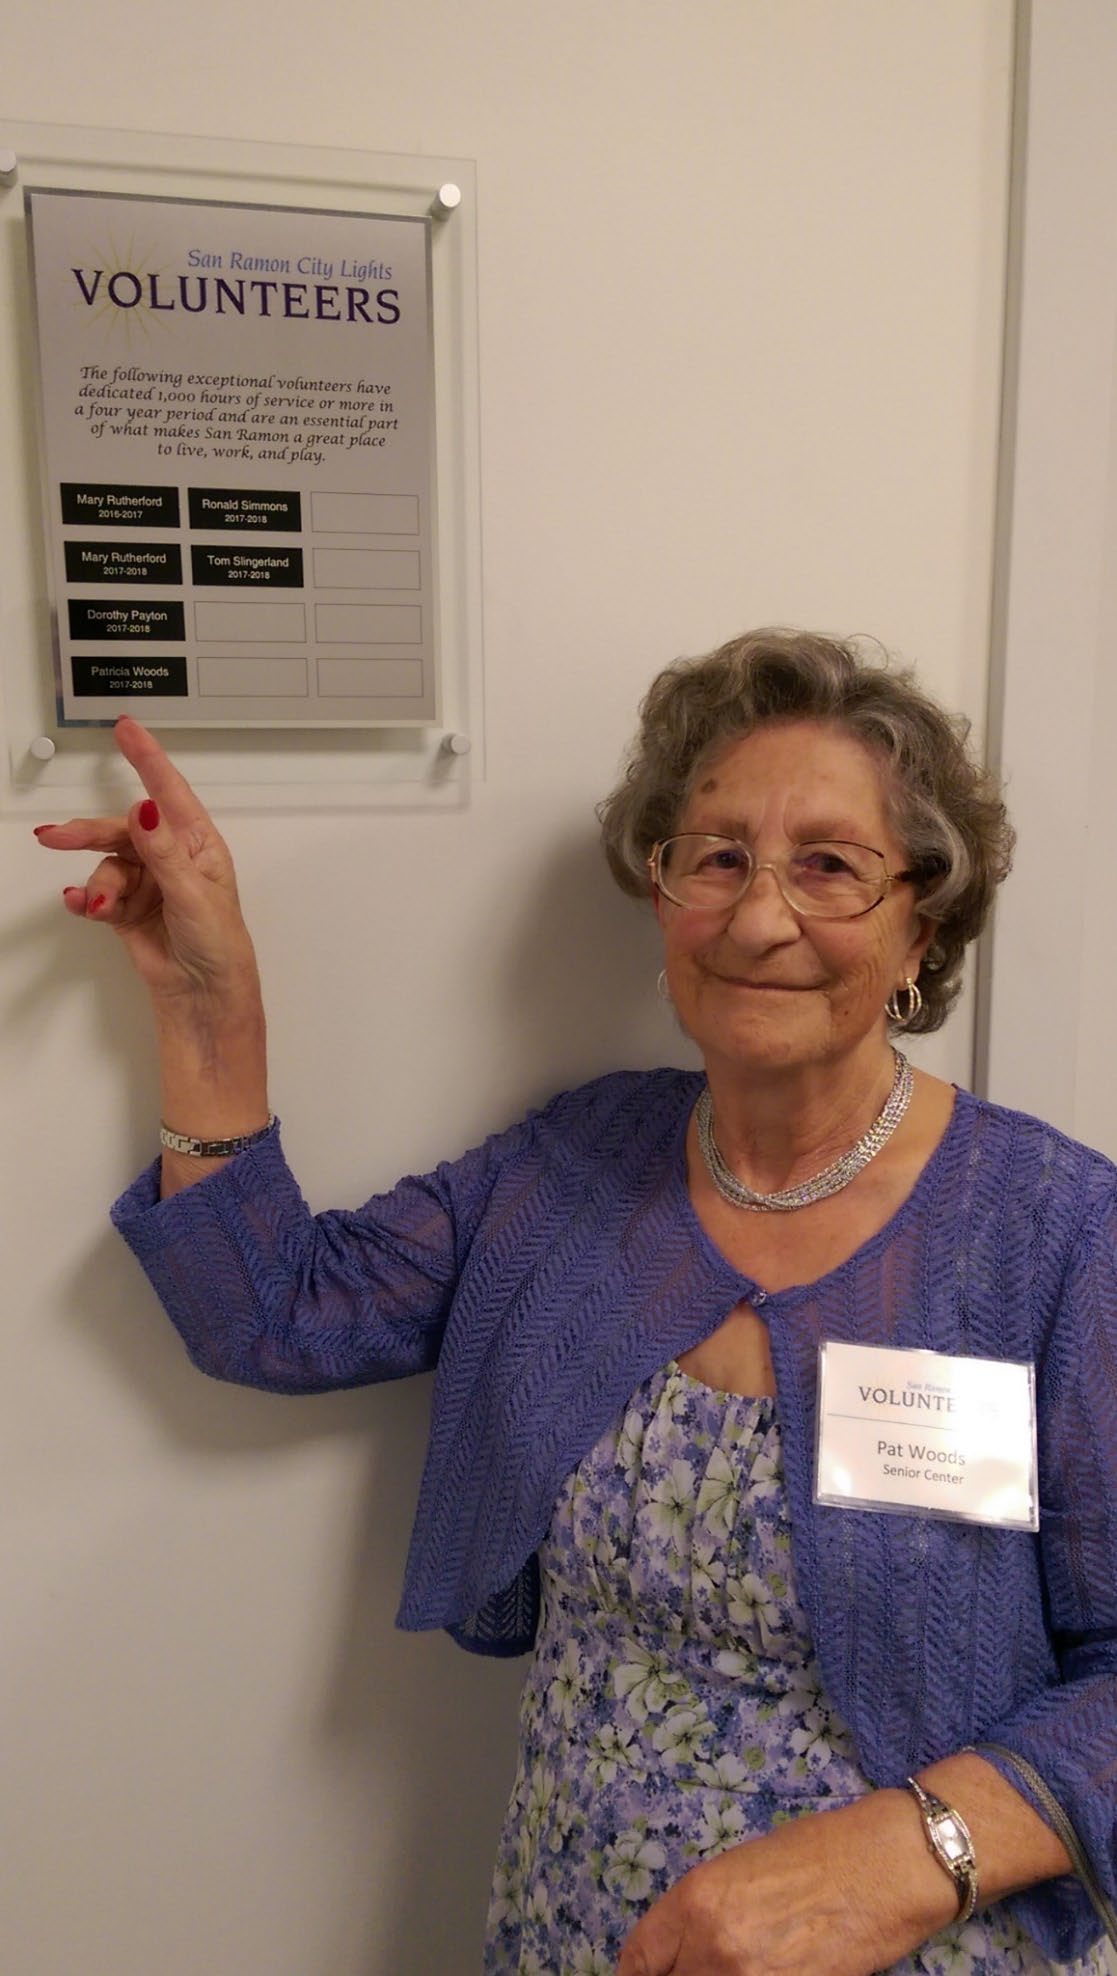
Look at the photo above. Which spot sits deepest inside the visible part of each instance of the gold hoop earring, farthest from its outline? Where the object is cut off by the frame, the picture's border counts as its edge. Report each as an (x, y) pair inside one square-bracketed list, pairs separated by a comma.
[(904, 1017)]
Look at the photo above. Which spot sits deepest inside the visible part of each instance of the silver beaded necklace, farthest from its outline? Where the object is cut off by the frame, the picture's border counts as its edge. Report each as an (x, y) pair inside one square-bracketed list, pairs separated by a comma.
[(832, 1177)]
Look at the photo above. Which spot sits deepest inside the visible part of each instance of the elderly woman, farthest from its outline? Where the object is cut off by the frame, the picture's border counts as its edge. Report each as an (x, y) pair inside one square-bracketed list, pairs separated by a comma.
[(764, 1728)]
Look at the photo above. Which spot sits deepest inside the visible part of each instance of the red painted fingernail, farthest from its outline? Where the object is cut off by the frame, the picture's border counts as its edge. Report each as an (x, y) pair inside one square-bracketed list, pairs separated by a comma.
[(95, 905), (149, 815)]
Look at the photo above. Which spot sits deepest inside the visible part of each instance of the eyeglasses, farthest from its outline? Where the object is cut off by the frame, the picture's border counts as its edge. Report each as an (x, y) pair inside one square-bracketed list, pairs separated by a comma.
[(831, 880)]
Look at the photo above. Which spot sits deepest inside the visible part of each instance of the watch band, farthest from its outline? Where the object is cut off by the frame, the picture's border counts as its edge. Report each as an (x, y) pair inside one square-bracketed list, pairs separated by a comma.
[(948, 1837), (212, 1149)]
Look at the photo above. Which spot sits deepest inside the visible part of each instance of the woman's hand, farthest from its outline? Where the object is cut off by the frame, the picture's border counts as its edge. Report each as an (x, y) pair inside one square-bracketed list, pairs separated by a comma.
[(836, 1893), (165, 883), (166, 886)]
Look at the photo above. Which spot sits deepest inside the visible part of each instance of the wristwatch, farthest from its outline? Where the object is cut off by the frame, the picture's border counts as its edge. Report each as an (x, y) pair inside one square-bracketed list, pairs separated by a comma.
[(948, 1836)]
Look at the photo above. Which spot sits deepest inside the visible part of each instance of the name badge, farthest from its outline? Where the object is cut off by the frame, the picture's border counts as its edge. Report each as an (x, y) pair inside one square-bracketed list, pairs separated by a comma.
[(926, 1433)]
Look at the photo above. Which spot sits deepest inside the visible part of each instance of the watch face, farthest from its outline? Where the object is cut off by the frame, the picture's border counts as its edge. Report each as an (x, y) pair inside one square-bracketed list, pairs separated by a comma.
[(951, 1839)]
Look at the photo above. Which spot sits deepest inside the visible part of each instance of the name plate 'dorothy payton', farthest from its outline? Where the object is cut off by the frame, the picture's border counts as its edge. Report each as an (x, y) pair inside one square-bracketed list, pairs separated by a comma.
[(927, 1433)]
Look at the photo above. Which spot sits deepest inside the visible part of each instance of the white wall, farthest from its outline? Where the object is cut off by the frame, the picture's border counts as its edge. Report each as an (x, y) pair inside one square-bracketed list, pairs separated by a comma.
[(740, 278), (1048, 1022), (1046, 1032)]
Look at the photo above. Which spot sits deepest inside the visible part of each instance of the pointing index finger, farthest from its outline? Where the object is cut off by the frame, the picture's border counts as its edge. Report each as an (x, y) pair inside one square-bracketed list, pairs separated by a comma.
[(157, 772)]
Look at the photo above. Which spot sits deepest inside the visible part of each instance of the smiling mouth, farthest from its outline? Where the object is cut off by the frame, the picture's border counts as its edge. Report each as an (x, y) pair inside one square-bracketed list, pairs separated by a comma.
[(766, 987)]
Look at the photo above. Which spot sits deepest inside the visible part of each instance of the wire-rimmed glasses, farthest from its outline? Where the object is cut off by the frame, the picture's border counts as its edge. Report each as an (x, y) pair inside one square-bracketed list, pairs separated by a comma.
[(829, 879)]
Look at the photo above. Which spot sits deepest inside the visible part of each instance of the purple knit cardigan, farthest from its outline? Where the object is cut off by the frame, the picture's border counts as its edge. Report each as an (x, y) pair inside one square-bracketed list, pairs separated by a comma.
[(550, 1271)]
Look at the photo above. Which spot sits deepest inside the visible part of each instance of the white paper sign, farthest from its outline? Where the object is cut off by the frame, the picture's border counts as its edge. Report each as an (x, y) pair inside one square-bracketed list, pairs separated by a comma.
[(927, 1433)]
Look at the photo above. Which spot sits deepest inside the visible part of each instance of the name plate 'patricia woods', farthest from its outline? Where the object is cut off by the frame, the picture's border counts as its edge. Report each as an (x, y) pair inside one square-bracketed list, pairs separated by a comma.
[(928, 1434)]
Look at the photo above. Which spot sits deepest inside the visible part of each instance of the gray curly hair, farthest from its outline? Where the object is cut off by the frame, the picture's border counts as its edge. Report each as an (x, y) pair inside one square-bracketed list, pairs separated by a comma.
[(944, 806)]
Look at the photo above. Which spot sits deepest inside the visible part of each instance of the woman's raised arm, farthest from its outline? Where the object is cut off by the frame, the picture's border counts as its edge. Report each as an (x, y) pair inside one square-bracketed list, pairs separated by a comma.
[(165, 884)]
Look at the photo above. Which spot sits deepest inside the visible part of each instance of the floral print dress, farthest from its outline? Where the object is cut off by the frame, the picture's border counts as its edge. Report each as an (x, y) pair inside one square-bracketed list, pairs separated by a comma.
[(674, 1706)]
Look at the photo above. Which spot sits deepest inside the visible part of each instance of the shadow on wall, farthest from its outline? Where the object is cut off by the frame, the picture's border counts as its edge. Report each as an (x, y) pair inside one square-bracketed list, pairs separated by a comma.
[(404, 1722), (576, 980), (416, 1737), (433, 1735)]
